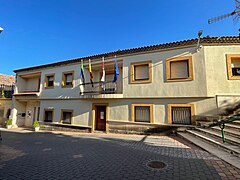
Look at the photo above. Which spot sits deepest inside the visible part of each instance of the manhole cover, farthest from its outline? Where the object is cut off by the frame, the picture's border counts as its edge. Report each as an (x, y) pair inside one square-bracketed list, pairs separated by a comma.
[(156, 164)]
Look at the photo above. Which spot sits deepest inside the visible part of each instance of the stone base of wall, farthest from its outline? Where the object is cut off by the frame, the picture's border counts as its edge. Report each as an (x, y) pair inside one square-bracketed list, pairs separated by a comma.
[(69, 128), (140, 128), (201, 120)]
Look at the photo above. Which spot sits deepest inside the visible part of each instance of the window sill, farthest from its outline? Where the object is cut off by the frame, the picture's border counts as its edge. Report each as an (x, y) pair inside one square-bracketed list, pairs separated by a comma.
[(179, 80), (234, 78), (51, 87), (67, 86), (140, 81)]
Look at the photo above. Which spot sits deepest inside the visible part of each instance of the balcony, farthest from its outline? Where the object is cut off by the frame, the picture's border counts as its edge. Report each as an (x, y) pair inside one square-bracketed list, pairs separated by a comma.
[(6, 91), (101, 90)]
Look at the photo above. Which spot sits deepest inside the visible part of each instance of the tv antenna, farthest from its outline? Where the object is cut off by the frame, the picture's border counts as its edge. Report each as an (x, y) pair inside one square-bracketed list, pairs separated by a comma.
[(235, 13)]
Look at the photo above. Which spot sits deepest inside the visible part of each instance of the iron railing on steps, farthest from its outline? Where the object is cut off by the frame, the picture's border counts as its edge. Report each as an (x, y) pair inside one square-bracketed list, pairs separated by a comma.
[(221, 123)]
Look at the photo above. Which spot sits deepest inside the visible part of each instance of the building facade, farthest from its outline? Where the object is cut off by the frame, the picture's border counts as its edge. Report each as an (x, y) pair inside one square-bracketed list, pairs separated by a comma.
[(166, 84), (6, 90)]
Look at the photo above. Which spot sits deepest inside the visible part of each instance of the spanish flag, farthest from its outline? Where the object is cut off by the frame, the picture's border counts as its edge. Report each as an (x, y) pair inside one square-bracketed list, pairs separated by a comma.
[(90, 72)]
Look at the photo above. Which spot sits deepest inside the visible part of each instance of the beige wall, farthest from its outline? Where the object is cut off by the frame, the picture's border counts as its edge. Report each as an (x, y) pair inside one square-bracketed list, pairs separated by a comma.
[(5, 104), (227, 102), (65, 93), (30, 112), (26, 84), (159, 86), (82, 110), (32, 84), (216, 70), (21, 85), (210, 79), (120, 110), (18, 109)]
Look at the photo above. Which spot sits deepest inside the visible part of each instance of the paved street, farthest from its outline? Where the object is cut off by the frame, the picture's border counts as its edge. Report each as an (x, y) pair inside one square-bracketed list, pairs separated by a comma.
[(47, 155)]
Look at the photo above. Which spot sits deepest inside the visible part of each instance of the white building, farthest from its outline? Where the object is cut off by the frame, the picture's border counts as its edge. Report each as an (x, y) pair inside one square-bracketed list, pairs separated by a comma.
[(166, 84)]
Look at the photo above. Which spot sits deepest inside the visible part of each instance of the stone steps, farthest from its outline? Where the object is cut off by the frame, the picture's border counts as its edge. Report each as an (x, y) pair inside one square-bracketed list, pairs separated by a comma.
[(227, 131), (230, 158), (228, 138), (235, 127), (212, 137), (216, 141)]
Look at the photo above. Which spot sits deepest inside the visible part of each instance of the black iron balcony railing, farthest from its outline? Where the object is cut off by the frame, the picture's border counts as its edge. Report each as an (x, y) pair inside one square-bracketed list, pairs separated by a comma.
[(6, 91), (99, 88)]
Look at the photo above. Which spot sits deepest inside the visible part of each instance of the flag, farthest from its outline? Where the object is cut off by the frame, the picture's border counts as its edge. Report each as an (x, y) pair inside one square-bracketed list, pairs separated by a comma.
[(82, 72), (116, 70), (90, 72), (103, 71)]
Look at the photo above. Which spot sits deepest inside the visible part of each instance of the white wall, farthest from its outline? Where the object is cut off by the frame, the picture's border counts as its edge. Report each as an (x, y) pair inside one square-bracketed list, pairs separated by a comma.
[(18, 108), (5, 104), (216, 70), (159, 86), (82, 110), (120, 110), (32, 84), (30, 112)]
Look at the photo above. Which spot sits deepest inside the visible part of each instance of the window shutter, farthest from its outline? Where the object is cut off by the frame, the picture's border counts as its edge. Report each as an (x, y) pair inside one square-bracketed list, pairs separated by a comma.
[(141, 72), (179, 69), (67, 117), (142, 114), (68, 77)]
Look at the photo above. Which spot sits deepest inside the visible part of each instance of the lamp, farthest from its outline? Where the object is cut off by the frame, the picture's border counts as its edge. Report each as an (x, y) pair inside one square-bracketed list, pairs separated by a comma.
[(199, 39), (1, 29)]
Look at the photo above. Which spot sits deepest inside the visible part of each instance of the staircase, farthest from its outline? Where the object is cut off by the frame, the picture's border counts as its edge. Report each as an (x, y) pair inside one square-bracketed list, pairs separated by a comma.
[(210, 139)]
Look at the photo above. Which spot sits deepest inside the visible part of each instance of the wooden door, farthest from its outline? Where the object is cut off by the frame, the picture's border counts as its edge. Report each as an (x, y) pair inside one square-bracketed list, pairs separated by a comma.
[(101, 118)]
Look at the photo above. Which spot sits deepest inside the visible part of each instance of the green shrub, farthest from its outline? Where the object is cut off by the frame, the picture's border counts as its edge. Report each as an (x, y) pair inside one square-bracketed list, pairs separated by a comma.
[(36, 124), (9, 122)]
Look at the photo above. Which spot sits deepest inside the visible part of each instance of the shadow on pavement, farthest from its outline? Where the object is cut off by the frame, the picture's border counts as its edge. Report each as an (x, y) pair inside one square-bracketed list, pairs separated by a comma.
[(47, 155)]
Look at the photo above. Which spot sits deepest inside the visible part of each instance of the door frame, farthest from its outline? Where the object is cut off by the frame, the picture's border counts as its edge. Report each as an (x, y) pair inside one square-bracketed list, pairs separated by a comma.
[(94, 109)]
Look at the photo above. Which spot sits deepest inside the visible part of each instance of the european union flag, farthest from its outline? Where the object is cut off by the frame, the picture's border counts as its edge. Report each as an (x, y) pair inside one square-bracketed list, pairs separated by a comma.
[(82, 73), (116, 70)]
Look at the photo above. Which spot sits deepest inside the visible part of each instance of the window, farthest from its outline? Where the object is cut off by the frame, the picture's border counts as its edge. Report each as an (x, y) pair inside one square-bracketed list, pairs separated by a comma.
[(181, 114), (48, 115), (142, 113), (67, 79), (66, 116), (179, 69), (141, 72), (49, 81), (233, 64)]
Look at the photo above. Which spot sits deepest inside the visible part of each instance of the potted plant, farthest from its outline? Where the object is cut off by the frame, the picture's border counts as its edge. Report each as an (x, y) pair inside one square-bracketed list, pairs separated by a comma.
[(9, 123), (36, 125)]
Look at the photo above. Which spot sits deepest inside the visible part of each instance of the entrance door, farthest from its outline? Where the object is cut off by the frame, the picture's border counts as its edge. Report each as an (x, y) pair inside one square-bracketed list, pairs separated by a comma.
[(101, 118)]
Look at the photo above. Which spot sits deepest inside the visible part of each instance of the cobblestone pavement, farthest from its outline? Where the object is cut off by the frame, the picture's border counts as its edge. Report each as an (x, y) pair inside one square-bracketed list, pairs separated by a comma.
[(47, 155)]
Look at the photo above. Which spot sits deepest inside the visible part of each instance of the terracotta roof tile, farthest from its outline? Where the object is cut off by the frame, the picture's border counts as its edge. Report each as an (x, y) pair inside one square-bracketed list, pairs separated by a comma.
[(222, 40), (6, 79)]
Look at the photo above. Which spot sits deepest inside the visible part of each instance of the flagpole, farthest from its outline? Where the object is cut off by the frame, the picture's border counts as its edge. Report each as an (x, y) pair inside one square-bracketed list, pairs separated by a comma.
[(103, 74), (90, 72)]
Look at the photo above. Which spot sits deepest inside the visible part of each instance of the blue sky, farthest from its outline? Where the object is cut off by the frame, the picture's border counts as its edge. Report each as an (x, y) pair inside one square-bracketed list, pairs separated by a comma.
[(44, 31)]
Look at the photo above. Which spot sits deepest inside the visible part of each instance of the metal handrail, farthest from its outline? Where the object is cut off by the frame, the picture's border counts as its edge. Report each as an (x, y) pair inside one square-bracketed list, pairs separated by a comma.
[(221, 123)]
